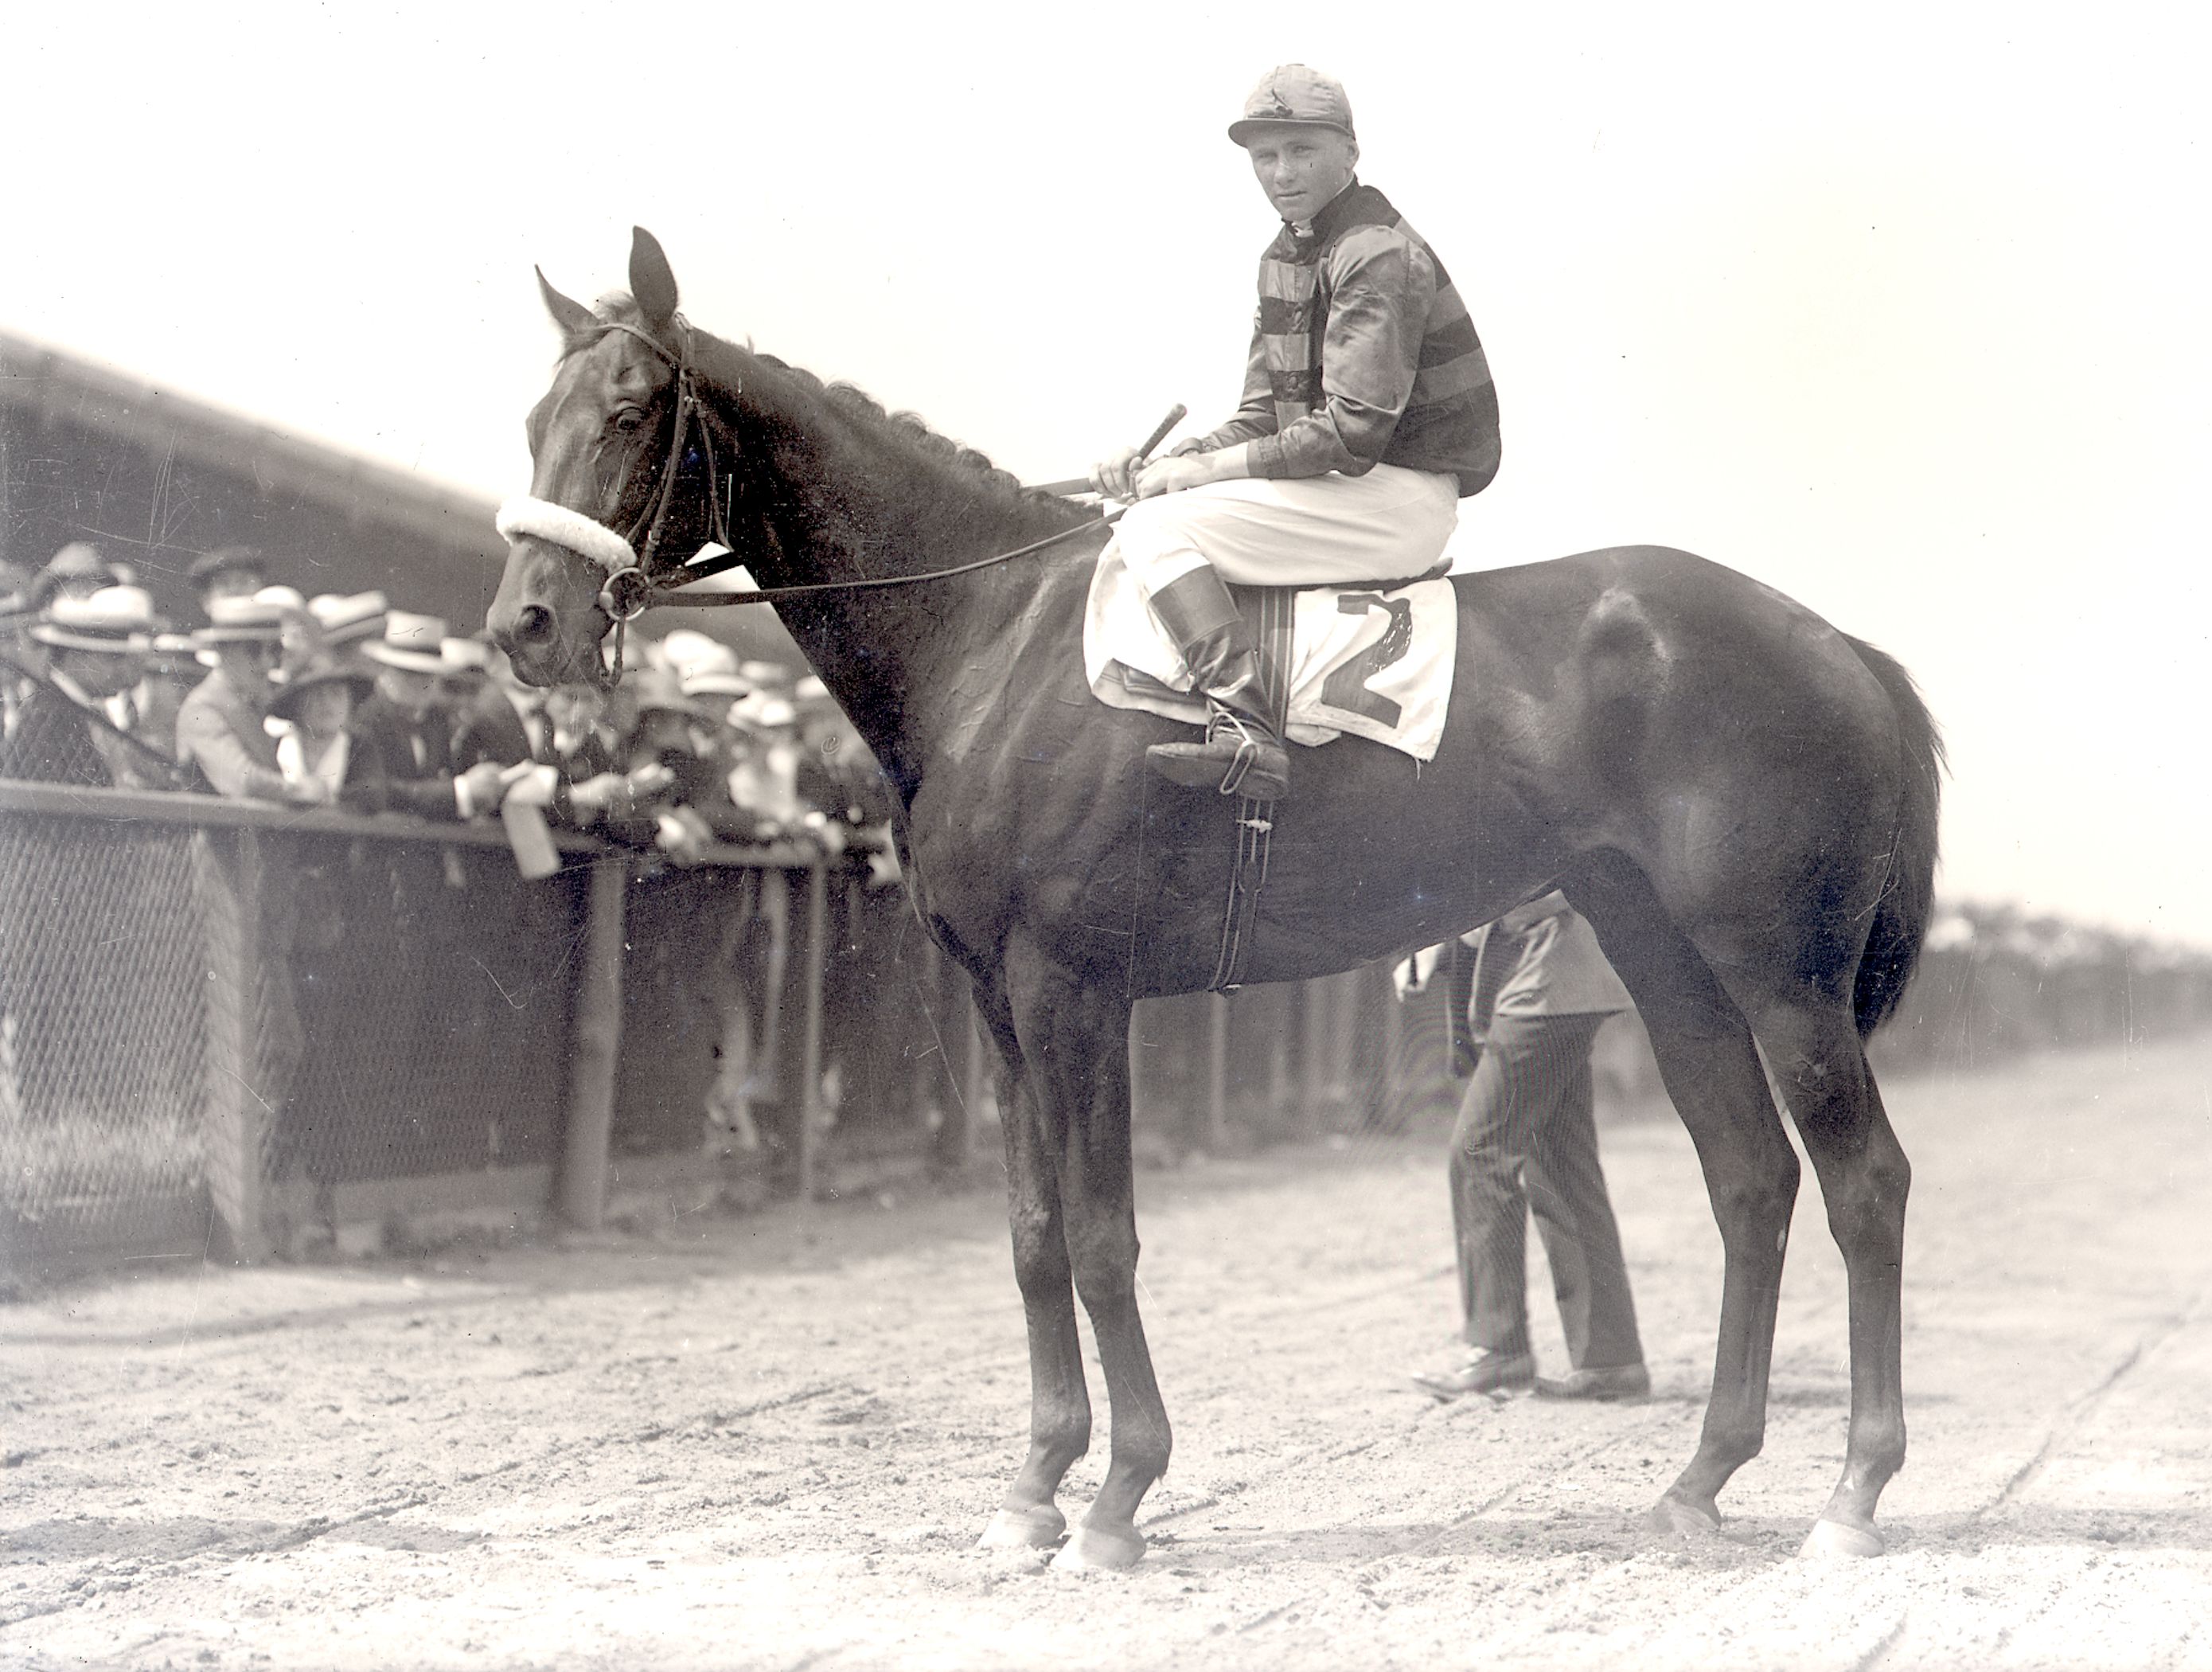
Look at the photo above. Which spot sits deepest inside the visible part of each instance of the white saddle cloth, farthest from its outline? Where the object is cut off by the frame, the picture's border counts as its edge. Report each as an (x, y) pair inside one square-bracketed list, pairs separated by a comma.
[(1377, 665)]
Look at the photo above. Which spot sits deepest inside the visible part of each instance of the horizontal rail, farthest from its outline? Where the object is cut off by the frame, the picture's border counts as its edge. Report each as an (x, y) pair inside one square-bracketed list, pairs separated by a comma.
[(178, 807)]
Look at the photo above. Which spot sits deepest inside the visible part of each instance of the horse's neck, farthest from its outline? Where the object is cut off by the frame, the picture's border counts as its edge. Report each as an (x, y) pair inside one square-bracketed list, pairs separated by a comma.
[(854, 498)]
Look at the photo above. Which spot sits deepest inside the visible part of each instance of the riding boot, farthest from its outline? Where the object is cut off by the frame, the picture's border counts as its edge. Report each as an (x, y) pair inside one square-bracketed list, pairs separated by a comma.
[(1241, 754)]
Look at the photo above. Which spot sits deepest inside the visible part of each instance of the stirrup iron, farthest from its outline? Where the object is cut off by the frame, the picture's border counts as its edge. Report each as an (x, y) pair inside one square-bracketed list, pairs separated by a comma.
[(1225, 721)]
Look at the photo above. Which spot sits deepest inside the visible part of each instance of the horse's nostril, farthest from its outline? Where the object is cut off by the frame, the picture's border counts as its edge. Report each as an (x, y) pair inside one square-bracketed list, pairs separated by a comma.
[(533, 624)]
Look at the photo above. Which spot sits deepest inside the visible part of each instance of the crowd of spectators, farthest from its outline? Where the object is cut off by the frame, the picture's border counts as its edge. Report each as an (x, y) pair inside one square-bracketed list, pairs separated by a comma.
[(345, 701)]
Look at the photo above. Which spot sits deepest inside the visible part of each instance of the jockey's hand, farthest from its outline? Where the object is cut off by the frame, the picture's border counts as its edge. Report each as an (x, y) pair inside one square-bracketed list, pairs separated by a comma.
[(1116, 477), (1174, 474)]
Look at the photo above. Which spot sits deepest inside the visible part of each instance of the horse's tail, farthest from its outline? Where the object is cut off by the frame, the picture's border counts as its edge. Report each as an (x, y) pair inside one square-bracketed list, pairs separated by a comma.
[(1900, 921)]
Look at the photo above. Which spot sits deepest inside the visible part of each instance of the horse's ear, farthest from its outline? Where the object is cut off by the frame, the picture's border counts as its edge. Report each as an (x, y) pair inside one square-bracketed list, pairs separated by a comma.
[(651, 281), (572, 316)]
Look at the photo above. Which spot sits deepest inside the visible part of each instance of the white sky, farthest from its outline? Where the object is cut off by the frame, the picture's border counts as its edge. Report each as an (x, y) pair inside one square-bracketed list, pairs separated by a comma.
[(1905, 309)]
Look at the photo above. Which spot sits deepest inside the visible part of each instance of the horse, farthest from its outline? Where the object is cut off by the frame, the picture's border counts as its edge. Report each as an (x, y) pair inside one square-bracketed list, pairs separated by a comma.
[(1738, 797)]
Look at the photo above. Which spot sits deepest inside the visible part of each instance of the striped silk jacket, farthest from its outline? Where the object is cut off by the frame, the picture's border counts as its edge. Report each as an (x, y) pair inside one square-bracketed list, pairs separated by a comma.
[(1363, 354)]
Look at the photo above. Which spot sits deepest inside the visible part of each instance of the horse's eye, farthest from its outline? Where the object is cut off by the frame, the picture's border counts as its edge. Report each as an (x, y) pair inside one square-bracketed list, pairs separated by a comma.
[(628, 419)]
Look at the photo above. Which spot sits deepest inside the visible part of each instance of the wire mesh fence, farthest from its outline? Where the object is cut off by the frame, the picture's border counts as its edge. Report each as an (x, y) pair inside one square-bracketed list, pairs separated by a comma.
[(103, 1065), (217, 1019)]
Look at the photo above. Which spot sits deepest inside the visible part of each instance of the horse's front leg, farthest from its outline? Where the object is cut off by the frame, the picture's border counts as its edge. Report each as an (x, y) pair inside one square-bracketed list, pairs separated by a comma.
[(1075, 1043), (1060, 1403)]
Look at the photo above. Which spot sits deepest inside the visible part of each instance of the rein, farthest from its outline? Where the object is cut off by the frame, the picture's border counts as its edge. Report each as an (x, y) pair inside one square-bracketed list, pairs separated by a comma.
[(631, 589)]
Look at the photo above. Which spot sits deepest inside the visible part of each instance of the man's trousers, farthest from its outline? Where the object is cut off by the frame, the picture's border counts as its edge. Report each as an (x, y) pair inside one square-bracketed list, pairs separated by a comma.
[(1387, 525), (1527, 1142)]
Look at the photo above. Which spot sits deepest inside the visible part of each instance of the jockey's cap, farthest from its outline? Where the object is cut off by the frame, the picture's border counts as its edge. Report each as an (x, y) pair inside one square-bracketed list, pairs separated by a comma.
[(1289, 96)]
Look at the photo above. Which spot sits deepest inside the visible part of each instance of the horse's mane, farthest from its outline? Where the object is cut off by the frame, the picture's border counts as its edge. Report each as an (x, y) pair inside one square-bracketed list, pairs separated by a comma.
[(717, 358)]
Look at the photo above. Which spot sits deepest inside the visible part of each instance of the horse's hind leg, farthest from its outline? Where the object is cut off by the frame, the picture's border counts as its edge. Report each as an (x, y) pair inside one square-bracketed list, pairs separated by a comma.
[(1818, 1058), (1705, 1056), (1059, 1402)]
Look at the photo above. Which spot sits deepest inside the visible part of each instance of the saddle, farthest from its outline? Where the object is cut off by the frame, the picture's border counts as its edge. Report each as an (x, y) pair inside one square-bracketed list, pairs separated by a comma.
[(1373, 660)]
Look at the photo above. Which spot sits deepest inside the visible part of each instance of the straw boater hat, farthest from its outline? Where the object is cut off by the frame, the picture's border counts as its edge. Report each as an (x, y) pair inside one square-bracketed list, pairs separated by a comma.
[(728, 685), (347, 620), (241, 620), (764, 711), (286, 599), (75, 565), (656, 690), (687, 651), (323, 669), (410, 641), (115, 621), (774, 675), (704, 667), (464, 659)]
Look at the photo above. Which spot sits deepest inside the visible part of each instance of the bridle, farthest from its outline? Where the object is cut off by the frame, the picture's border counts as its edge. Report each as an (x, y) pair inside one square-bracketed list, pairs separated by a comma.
[(631, 588)]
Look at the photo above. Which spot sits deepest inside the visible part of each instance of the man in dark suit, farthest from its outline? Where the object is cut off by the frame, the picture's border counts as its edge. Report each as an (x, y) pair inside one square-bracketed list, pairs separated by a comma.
[(486, 726), (403, 734), (66, 730), (1526, 1143)]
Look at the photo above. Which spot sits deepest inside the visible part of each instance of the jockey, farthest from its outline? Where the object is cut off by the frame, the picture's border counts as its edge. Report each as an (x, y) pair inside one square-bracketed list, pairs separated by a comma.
[(1368, 414)]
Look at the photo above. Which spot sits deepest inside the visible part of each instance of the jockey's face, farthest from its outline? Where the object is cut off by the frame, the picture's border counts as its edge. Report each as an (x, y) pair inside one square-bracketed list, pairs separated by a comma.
[(1303, 166)]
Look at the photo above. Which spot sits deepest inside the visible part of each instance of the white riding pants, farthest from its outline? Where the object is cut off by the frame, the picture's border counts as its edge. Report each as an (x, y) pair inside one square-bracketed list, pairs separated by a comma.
[(1308, 531)]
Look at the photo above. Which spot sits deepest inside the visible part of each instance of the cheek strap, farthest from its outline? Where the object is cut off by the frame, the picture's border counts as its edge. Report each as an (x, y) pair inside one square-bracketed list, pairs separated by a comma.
[(558, 524)]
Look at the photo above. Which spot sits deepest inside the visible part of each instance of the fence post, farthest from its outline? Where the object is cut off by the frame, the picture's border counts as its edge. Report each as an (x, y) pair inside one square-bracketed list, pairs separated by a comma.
[(595, 1043), (810, 1063), (240, 990)]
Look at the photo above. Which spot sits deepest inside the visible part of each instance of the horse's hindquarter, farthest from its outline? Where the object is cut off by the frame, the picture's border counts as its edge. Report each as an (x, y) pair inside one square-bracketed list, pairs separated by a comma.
[(1720, 735)]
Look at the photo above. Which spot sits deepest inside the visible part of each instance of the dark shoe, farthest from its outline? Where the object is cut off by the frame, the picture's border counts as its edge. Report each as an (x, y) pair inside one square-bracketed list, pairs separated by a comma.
[(1240, 757), (1620, 1382), (1483, 1371)]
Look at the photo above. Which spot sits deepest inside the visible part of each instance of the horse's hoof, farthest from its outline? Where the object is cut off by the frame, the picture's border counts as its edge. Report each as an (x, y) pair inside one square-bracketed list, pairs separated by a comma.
[(1034, 1526), (1090, 1550), (1683, 1519), (1840, 1538)]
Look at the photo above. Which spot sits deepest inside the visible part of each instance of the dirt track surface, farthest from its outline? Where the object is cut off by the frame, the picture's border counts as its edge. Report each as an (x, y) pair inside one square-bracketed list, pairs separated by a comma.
[(770, 1441)]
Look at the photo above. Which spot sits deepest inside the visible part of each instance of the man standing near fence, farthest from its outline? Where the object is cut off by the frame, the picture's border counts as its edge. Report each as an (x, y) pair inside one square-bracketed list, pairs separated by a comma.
[(1526, 1143), (220, 732), (67, 731), (404, 733)]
